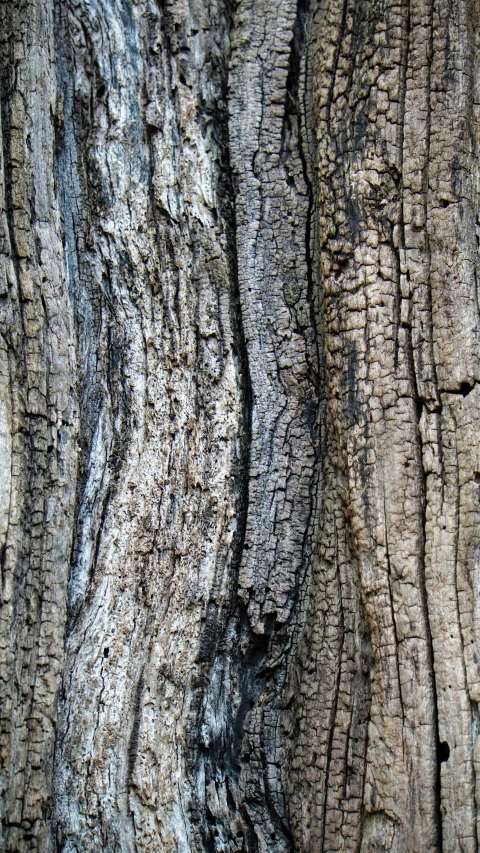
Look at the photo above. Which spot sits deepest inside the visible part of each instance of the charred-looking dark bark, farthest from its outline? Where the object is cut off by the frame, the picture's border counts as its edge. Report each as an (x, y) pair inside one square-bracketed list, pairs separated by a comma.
[(239, 426)]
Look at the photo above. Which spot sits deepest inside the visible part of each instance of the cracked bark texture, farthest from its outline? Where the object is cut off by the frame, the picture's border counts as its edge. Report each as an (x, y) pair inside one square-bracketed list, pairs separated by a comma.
[(239, 426)]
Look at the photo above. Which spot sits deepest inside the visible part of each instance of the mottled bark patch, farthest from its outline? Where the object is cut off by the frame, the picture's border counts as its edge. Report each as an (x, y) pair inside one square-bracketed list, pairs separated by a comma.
[(239, 371)]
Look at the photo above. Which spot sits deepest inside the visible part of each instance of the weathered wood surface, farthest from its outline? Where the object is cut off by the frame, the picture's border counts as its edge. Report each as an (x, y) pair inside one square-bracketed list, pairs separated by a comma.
[(239, 426)]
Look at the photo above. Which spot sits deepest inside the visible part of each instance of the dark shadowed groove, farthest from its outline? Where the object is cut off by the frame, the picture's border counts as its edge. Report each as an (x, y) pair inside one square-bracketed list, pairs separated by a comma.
[(398, 176), (224, 757), (334, 711), (7, 69), (236, 654), (133, 741), (423, 589), (78, 195), (419, 405), (293, 107)]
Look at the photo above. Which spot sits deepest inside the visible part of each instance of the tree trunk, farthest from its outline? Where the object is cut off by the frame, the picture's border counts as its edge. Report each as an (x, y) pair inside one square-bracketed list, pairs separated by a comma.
[(240, 426)]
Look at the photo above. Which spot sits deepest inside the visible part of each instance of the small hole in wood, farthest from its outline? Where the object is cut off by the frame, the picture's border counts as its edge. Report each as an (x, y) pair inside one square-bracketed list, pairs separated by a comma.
[(443, 751)]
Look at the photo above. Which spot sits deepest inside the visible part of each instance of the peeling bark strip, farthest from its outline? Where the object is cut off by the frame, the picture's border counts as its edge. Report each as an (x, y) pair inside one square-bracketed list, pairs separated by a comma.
[(239, 426)]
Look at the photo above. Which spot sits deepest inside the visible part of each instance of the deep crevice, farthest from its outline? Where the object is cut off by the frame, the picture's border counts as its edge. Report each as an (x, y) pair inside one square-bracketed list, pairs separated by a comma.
[(135, 731), (424, 594), (239, 659)]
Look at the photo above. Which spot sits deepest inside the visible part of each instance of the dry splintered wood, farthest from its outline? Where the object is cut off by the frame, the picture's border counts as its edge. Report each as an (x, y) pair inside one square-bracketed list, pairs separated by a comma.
[(239, 426)]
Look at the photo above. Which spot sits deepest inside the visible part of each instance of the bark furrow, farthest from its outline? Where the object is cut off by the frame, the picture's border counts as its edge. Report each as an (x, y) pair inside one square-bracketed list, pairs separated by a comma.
[(239, 426)]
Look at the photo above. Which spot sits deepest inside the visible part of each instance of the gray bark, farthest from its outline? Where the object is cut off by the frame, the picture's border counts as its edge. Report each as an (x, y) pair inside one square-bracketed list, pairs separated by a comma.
[(239, 426)]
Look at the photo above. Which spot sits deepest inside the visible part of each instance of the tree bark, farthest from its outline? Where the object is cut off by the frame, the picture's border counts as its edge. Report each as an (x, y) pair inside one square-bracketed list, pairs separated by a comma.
[(239, 426)]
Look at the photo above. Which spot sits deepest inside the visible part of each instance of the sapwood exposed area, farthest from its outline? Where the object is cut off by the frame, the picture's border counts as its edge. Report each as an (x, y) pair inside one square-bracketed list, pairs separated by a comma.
[(239, 426)]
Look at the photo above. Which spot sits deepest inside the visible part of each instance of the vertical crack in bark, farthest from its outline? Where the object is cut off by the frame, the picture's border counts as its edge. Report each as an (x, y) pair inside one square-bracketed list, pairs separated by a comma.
[(78, 195), (251, 664), (134, 735), (295, 107), (423, 497), (423, 492), (420, 400), (333, 715)]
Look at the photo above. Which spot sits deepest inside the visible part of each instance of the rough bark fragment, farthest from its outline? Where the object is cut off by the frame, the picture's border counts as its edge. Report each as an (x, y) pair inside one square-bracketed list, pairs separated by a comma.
[(239, 425), (384, 115), (39, 426), (161, 411), (245, 788)]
